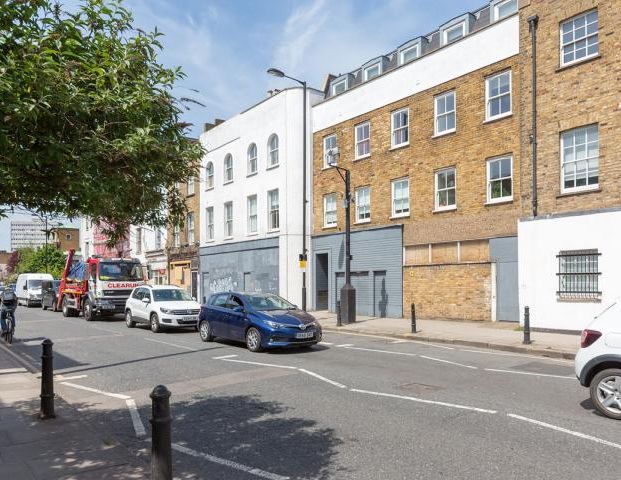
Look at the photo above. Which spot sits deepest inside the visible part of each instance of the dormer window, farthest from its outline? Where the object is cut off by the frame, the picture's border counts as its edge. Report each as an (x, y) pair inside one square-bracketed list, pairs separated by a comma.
[(409, 54), (372, 71), (503, 8), (454, 33), (339, 87), (457, 28)]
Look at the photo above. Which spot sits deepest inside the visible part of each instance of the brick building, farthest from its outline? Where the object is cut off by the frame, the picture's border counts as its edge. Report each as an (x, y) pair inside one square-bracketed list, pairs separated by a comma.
[(65, 238), (430, 133), (569, 254)]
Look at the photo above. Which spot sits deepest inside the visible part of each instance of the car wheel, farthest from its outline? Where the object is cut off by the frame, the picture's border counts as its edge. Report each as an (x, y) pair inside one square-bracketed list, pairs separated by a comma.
[(204, 331), (606, 392), (89, 316), (155, 324), (253, 340), (67, 311), (128, 319), (55, 305)]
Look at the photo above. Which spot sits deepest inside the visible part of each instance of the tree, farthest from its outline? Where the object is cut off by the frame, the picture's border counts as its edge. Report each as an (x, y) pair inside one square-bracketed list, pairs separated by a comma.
[(88, 122), (12, 262), (48, 258)]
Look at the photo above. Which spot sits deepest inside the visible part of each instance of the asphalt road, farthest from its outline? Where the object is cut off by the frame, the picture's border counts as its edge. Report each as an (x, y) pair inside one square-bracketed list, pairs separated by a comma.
[(353, 407)]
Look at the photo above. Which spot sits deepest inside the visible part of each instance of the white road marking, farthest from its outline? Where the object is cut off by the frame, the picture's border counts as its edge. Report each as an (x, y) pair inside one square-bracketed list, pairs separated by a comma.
[(259, 363), (223, 357), (449, 362), (13, 370), (61, 377), (136, 420), (94, 390), (383, 351), (32, 343), (564, 430), (346, 345), (228, 463), (421, 400), (567, 377), (327, 380), (399, 341), (520, 355), (325, 343), (183, 347), (420, 342)]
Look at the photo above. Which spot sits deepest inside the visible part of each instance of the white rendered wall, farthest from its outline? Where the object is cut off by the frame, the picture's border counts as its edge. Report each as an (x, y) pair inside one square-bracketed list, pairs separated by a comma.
[(539, 241), (477, 50)]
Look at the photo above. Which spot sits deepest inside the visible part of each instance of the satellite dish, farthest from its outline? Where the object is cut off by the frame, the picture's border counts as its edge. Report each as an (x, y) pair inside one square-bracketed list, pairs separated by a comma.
[(333, 154)]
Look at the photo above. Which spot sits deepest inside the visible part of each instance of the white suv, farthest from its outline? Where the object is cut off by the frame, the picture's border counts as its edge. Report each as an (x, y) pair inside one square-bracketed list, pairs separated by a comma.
[(598, 362), (161, 306)]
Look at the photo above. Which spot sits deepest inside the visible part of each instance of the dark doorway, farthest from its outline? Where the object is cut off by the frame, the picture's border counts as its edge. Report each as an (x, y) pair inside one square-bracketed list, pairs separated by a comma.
[(321, 281)]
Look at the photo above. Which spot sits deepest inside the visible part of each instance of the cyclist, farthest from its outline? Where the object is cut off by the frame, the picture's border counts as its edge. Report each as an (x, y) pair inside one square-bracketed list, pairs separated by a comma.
[(8, 303)]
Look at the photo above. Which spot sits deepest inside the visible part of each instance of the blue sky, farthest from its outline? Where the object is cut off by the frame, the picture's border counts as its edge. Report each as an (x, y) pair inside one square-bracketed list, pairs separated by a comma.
[(225, 46)]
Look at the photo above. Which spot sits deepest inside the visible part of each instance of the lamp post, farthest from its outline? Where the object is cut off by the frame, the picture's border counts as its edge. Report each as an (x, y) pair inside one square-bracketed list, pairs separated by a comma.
[(348, 292), (303, 256)]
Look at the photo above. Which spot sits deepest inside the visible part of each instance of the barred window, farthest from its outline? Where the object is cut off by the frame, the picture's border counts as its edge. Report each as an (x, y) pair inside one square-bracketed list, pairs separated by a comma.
[(578, 274)]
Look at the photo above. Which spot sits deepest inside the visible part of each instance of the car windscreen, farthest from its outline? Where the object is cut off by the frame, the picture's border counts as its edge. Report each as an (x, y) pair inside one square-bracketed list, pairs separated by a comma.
[(266, 302), (170, 295), (120, 271), (35, 284)]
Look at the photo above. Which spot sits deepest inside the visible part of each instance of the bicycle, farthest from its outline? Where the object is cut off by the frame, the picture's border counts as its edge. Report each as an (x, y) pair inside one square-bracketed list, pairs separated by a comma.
[(10, 330)]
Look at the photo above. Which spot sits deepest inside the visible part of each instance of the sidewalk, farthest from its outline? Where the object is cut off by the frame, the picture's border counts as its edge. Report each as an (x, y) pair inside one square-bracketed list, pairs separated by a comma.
[(497, 335), (62, 448)]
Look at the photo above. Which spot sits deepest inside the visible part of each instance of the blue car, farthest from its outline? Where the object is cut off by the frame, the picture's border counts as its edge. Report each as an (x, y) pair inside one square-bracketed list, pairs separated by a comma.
[(261, 320)]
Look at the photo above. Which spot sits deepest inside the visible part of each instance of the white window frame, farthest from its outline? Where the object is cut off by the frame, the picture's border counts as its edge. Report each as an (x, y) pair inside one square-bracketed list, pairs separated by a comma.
[(337, 84), (489, 162), (209, 224), (403, 52), (359, 140), (227, 169), (252, 149), (393, 131), (437, 190), (273, 152), (209, 176), (393, 184), (359, 204), (176, 236), (190, 227), (325, 210), (228, 221), (377, 65), (326, 150), (271, 210), (190, 185), (461, 25), (488, 98), (499, 5), (252, 217), (581, 188), (586, 37), (446, 113)]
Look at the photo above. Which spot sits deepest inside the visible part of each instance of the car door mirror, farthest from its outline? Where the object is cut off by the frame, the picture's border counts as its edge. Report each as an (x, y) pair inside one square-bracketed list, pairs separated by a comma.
[(25, 287), (146, 300)]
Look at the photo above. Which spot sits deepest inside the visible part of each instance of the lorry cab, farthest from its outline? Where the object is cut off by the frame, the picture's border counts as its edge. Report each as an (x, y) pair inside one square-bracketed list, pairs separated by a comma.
[(28, 288)]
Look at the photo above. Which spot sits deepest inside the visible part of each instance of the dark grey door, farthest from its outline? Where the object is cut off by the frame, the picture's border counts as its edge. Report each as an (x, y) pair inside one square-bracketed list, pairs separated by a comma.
[(321, 281), (507, 301), (380, 294), (364, 301)]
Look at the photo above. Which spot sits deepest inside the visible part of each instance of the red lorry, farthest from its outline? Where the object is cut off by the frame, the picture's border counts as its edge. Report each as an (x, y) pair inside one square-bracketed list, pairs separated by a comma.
[(97, 286)]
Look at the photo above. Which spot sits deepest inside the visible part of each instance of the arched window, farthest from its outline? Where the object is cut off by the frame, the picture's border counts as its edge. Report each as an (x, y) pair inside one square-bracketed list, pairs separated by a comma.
[(228, 168), (272, 149), (209, 175), (252, 159)]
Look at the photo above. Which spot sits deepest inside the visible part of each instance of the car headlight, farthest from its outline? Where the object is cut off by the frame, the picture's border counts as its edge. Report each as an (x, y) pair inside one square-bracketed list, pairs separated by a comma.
[(165, 310), (271, 324)]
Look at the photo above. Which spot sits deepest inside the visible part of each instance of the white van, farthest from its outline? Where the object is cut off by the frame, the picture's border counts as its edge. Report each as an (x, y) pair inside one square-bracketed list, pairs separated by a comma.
[(28, 288)]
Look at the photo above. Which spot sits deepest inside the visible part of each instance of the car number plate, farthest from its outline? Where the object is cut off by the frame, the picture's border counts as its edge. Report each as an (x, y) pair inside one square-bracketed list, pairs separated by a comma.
[(190, 319), (305, 335)]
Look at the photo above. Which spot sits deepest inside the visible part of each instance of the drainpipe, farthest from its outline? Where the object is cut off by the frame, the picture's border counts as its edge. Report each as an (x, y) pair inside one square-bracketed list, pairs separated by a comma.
[(532, 27)]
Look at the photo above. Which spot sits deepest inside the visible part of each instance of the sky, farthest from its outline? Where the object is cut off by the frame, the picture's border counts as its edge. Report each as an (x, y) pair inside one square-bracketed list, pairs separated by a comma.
[(225, 46)]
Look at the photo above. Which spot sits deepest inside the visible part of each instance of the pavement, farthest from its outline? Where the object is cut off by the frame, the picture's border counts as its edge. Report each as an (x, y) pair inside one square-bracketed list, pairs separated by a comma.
[(494, 335)]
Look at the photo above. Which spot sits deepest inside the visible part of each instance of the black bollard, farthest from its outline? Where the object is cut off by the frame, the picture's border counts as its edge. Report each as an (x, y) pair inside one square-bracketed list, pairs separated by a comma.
[(161, 448), (339, 321), (47, 381), (526, 326), (413, 318)]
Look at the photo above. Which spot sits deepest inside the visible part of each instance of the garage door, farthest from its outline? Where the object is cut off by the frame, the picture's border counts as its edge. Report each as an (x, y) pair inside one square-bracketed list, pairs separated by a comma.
[(380, 294), (360, 281)]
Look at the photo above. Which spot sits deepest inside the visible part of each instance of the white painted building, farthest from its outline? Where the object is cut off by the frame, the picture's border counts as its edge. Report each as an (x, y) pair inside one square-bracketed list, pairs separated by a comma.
[(27, 233), (569, 267), (251, 205)]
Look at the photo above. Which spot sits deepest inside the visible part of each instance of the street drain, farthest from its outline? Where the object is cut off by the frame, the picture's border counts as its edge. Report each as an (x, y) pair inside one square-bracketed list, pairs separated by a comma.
[(419, 387)]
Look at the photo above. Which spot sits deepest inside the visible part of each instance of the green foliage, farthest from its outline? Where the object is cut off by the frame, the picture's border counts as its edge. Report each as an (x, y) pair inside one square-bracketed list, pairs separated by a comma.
[(34, 261), (88, 124)]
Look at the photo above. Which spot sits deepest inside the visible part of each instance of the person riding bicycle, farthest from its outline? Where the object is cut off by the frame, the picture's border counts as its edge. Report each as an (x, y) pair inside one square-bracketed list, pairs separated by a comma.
[(8, 303)]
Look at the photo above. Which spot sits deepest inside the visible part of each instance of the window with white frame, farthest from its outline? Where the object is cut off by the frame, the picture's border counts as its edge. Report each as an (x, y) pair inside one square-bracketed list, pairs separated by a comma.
[(176, 236), (499, 179), (363, 140), (329, 144), (505, 8), (578, 274), (339, 87), (158, 238), (400, 127), (372, 71), (273, 210), (329, 210), (445, 113), (498, 95), (272, 150), (445, 189), (454, 33), (410, 53), (191, 186), (228, 168), (228, 219), (190, 227), (252, 159), (579, 38), (580, 158), (139, 240), (251, 205), (400, 197), (209, 222), (209, 175), (363, 204)]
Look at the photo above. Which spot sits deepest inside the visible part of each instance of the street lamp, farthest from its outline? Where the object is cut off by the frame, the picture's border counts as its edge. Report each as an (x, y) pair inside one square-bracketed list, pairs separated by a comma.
[(303, 256), (348, 292)]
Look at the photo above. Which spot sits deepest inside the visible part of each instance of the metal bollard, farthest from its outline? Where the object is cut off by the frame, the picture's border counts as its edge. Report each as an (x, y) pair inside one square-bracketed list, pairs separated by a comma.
[(161, 448), (47, 381), (413, 318), (526, 326), (339, 321)]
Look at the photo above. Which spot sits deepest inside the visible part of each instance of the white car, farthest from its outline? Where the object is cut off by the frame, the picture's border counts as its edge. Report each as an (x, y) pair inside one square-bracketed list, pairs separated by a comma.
[(161, 306), (598, 362)]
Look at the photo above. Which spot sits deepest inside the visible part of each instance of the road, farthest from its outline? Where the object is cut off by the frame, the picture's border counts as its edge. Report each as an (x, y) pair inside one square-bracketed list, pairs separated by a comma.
[(353, 407)]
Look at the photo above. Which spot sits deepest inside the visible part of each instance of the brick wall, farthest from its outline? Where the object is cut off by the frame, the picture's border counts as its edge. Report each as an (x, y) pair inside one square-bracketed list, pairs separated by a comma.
[(193, 204), (456, 292)]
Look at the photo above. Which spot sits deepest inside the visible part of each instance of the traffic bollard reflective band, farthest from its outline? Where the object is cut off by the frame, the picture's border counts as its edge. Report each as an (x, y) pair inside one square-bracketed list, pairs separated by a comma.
[(47, 380), (161, 441)]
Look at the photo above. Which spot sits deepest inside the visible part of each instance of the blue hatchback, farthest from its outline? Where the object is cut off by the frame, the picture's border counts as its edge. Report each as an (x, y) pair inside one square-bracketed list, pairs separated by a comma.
[(261, 320)]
